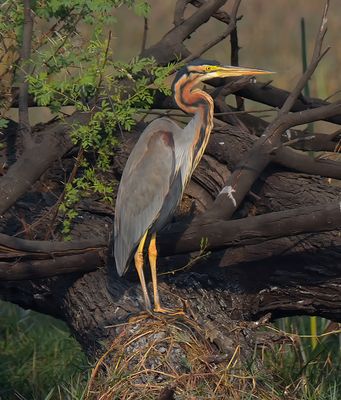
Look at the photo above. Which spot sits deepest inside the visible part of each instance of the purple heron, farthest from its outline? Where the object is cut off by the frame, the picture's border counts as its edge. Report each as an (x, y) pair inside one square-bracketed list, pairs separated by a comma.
[(159, 167)]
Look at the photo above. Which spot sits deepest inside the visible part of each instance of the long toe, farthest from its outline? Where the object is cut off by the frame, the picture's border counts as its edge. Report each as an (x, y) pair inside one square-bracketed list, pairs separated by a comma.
[(168, 311)]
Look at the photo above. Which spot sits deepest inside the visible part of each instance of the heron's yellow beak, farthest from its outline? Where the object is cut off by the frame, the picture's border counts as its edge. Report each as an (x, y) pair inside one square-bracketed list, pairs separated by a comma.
[(218, 71), (224, 72)]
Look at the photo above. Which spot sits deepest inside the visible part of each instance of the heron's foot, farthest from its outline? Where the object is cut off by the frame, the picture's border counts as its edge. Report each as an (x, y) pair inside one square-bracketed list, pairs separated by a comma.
[(168, 311)]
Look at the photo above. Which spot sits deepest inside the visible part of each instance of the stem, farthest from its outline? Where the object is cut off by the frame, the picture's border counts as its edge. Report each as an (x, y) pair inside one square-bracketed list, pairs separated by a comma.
[(24, 122), (306, 89)]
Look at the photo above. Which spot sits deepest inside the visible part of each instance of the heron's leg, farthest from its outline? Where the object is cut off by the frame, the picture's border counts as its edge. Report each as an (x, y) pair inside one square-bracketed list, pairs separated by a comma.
[(152, 253), (139, 268)]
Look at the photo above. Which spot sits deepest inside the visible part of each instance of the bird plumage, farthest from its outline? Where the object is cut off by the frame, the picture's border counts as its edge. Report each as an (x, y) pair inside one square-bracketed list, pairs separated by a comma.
[(159, 167), (163, 159)]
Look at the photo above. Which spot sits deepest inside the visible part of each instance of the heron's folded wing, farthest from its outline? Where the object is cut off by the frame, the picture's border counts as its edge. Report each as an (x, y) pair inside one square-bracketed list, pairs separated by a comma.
[(145, 195)]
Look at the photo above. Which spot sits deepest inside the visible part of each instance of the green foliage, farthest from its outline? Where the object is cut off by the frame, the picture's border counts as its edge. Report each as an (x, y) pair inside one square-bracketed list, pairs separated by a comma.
[(39, 359), (89, 11), (311, 372), (68, 69), (3, 123), (142, 8), (11, 17), (116, 112)]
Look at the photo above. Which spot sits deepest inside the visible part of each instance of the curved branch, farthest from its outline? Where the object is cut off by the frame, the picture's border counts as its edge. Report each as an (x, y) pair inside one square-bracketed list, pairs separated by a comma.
[(198, 18)]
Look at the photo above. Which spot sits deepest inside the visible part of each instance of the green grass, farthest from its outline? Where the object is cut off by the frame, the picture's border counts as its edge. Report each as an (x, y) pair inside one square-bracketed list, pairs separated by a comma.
[(38, 357), (311, 372)]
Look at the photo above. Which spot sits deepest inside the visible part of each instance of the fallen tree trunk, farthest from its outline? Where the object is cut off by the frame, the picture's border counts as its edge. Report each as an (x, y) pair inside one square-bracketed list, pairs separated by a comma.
[(301, 256), (245, 289)]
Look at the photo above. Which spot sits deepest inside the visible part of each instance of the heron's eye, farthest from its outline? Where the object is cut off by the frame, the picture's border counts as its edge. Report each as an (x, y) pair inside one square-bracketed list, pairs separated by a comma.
[(209, 68)]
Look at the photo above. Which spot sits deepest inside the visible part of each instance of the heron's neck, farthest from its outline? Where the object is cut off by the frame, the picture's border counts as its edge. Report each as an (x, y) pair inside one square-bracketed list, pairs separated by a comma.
[(195, 101)]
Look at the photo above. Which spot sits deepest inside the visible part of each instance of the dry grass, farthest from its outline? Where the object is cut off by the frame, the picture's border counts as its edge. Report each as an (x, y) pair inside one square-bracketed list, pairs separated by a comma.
[(170, 357)]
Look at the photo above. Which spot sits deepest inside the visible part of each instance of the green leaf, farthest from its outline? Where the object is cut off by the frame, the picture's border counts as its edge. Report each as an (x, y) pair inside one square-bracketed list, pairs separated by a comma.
[(3, 123), (142, 8)]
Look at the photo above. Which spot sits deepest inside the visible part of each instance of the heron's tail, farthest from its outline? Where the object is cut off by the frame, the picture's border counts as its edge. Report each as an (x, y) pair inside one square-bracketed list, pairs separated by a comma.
[(122, 255)]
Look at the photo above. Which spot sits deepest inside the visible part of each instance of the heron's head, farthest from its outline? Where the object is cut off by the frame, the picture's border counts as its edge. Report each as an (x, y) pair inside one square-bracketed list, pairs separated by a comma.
[(202, 70)]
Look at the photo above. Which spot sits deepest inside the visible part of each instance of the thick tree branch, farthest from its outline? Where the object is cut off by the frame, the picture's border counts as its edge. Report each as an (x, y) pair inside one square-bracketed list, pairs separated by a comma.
[(251, 230), (33, 259), (37, 269), (291, 246), (306, 116), (15, 247)]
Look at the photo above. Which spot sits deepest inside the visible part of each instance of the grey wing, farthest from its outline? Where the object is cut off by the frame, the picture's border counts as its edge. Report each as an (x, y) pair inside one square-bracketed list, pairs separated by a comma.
[(149, 189)]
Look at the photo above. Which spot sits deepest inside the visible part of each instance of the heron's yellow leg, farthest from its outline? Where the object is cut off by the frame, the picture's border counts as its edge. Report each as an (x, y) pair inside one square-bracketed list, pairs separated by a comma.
[(139, 268), (152, 253)]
